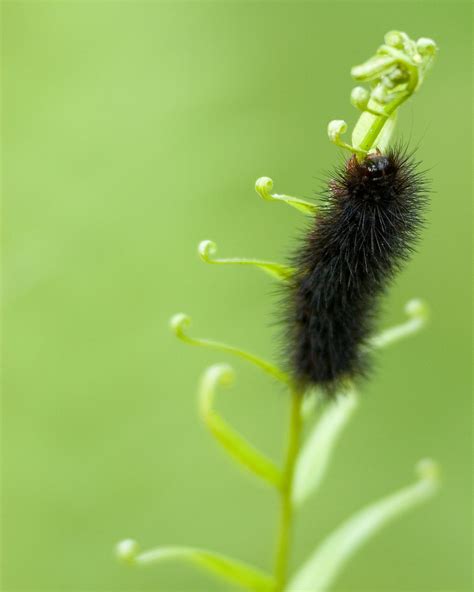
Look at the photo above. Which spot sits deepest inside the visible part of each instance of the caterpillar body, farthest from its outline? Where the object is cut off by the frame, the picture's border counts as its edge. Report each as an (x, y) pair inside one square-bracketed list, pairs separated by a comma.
[(359, 239)]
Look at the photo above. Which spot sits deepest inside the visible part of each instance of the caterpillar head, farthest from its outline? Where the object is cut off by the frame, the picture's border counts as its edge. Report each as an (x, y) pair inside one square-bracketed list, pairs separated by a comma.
[(371, 180)]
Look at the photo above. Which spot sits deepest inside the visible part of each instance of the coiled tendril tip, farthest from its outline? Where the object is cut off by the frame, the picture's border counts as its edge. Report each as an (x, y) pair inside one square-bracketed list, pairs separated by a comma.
[(218, 374), (417, 308), (127, 550), (207, 249), (179, 323), (263, 187), (426, 46), (428, 470), (359, 98), (336, 129)]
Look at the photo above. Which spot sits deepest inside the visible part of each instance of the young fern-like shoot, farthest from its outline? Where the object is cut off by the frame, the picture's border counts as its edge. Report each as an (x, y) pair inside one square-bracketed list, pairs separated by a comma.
[(358, 241)]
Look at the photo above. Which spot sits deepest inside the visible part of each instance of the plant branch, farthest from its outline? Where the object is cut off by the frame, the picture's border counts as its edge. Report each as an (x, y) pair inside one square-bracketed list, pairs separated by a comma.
[(286, 492)]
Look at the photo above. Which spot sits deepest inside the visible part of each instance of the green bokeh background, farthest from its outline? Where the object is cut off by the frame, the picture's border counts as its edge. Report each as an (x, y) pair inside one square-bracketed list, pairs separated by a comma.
[(133, 130)]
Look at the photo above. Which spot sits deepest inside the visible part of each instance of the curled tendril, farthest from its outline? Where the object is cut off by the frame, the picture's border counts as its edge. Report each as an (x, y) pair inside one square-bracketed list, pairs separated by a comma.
[(226, 568), (208, 249), (216, 375), (417, 312), (179, 324), (264, 186), (337, 128), (233, 442)]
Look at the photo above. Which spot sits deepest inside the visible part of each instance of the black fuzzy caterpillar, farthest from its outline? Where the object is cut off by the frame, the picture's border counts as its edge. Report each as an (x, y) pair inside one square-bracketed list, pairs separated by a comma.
[(359, 239)]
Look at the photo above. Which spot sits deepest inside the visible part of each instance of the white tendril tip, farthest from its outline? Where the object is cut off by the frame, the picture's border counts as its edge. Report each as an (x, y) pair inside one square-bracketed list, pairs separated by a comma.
[(207, 249), (263, 187), (336, 128), (127, 550), (426, 46), (394, 39), (416, 308), (360, 97), (218, 374), (428, 470), (222, 374), (179, 323)]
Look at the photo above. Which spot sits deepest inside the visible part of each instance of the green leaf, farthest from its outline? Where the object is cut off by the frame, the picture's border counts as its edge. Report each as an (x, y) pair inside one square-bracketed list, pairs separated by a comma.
[(233, 442), (226, 568), (366, 122), (362, 127), (324, 565), (315, 457), (383, 139)]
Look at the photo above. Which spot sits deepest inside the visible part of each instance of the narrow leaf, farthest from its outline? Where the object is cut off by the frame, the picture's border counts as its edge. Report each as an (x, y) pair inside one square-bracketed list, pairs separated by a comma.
[(233, 442), (316, 454), (322, 568), (228, 569), (362, 127), (383, 139)]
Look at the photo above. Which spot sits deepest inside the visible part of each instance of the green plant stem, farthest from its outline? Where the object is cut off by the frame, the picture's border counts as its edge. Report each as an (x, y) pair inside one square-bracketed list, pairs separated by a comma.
[(374, 131), (286, 504)]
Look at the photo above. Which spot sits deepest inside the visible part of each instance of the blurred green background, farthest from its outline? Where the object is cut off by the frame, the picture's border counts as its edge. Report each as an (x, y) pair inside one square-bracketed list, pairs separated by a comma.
[(133, 130)]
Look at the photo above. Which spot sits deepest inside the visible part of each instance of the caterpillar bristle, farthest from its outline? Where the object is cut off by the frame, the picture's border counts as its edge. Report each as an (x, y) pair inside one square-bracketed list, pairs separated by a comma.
[(364, 232)]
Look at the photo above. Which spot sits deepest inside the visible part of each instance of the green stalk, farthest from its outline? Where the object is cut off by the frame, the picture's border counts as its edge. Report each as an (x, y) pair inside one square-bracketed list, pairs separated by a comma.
[(286, 503), (374, 131)]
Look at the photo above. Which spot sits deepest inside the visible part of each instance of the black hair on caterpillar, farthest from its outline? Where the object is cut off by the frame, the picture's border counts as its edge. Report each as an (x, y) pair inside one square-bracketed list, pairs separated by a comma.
[(359, 239)]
